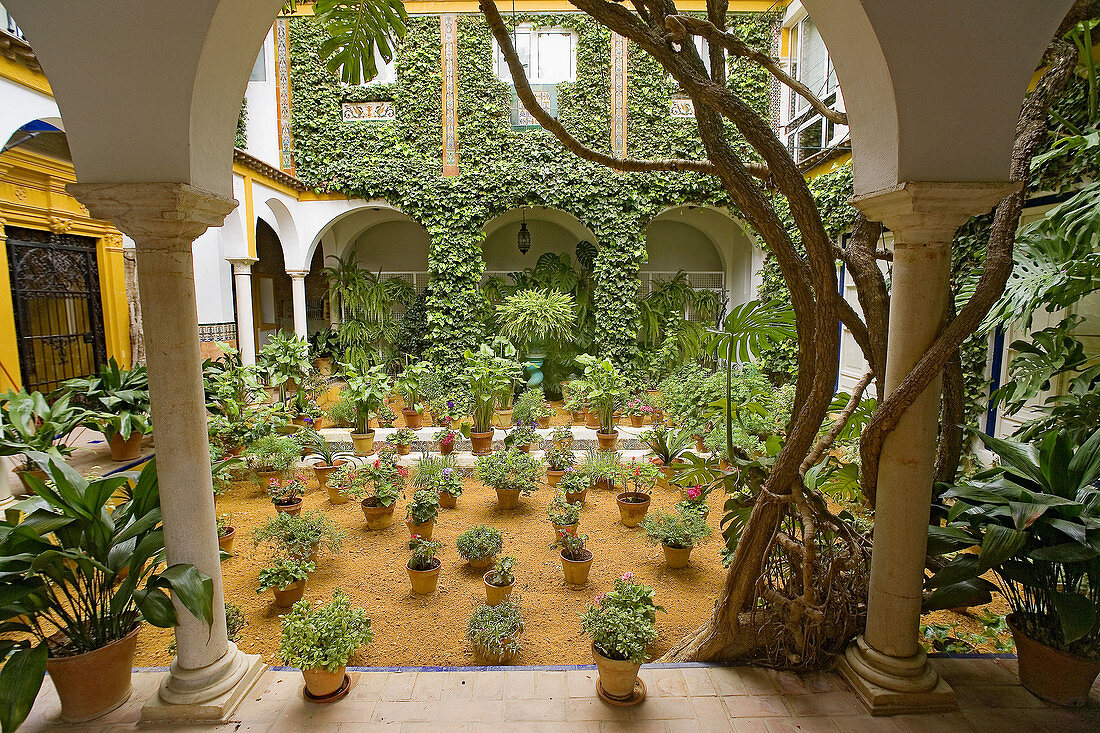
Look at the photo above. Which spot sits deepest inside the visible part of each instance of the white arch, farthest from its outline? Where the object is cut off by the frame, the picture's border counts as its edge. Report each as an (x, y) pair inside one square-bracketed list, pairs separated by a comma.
[(562, 218), (317, 219), (278, 215), (26, 106)]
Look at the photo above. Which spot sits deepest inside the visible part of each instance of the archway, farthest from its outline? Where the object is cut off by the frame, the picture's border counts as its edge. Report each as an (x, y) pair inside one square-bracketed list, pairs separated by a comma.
[(552, 230)]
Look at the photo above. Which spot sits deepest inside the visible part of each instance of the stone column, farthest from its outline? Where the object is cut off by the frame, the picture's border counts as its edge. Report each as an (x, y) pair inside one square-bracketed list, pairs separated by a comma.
[(209, 675), (298, 293), (6, 498), (886, 665), (246, 327)]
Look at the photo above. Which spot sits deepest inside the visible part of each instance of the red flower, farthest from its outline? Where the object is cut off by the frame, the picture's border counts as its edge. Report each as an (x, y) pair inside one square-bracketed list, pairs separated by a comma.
[(402, 471)]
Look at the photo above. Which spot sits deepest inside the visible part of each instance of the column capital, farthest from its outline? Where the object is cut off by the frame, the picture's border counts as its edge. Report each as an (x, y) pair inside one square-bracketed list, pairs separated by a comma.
[(242, 265), (925, 212), (297, 274), (163, 215)]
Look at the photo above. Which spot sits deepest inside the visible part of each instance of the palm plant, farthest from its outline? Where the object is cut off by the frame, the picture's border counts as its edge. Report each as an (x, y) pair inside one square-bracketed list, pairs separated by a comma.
[(76, 565), (661, 315), (366, 302)]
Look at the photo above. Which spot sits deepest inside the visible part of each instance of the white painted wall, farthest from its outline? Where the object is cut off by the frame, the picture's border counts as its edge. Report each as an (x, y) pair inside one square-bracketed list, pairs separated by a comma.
[(263, 118), (20, 105), (213, 279), (501, 254), (393, 246)]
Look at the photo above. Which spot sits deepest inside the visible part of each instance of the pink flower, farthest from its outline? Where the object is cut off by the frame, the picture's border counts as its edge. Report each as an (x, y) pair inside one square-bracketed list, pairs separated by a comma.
[(628, 577), (694, 492), (600, 597)]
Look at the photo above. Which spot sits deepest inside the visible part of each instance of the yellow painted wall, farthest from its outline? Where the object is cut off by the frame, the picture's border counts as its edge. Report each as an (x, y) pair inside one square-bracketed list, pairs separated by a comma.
[(32, 195)]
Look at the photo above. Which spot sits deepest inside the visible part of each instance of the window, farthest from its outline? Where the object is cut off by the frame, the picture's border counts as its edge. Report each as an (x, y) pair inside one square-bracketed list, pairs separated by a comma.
[(808, 133), (548, 55), (7, 23), (259, 69), (387, 71)]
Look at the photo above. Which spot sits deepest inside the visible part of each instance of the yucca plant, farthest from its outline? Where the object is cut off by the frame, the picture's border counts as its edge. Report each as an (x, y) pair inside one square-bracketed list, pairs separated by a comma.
[(28, 423)]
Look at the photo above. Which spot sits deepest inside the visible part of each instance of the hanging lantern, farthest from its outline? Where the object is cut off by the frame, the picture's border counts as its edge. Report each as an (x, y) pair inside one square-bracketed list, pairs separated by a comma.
[(523, 239)]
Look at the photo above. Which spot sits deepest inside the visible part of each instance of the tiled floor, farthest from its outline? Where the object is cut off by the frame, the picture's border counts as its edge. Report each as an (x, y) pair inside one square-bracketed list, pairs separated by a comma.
[(681, 700)]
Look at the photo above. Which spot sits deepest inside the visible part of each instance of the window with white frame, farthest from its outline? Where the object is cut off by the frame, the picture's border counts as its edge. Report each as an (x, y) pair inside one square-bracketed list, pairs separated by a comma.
[(259, 69), (7, 23), (808, 132), (548, 55)]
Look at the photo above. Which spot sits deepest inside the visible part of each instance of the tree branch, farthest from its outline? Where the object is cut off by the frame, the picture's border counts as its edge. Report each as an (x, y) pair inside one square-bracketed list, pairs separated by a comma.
[(527, 96), (681, 26), (842, 419)]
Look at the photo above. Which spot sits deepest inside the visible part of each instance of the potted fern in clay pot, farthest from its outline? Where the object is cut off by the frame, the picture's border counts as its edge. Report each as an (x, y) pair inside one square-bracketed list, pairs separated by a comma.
[(479, 545), (622, 624), (500, 580), (320, 641)]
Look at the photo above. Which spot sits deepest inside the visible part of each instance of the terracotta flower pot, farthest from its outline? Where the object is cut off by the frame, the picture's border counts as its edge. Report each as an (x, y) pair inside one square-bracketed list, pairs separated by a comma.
[(403, 450), (503, 418), (378, 516), (574, 496), (526, 447), (576, 571), (413, 419), (336, 496), (492, 659), (677, 557), (553, 477), (323, 471), (482, 443), (578, 415), (495, 594), (363, 443), (699, 447), (591, 420), (320, 683), (560, 529), (482, 563), (637, 421), (423, 530), (22, 473), (603, 484), (293, 508), (424, 582), (264, 478), (236, 450), (126, 449), (447, 500), (447, 448), (608, 441), (544, 422), (633, 506), (323, 365), (94, 683), (290, 595), (507, 498), (225, 541), (617, 677), (1054, 675)]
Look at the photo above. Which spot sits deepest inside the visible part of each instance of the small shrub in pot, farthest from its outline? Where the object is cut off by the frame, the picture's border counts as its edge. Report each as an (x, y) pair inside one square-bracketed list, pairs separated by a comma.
[(493, 632), (479, 544), (286, 576), (622, 624), (676, 533), (499, 580), (563, 514), (320, 641)]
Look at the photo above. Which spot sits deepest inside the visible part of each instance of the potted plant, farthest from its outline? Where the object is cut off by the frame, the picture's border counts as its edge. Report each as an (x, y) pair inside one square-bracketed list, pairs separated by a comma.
[(446, 439), (117, 404), (226, 533), (576, 559), (639, 478), (479, 545), (695, 500), (574, 484), (321, 641), (493, 631), (421, 512), (486, 376), (558, 460), (111, 556), (409, 387), (531, 408), (387, 481), (286, 494), (602, 468), (511, 473), (606, 387), (535, 318), (562, 437), (448, 485), (637, 411), (286, 578), (564, 515), (29, 424), (677, 534), (367, 390), (667, 446), (285, 361), (521, 436), (424, 566), (576, 408), (324, 345), (299, 536), (386, 416), (1034, 518), (328, 462), (270, 456), (499, 580), (403, 439), (622, 624), (574, 398)]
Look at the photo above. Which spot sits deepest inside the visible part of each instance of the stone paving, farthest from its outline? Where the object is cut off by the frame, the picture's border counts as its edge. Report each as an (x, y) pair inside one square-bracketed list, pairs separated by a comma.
[(682, 699)]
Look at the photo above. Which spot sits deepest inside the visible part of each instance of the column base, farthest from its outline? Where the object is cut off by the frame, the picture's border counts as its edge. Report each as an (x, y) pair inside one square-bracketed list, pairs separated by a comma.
[(181, 697), (894, 685)]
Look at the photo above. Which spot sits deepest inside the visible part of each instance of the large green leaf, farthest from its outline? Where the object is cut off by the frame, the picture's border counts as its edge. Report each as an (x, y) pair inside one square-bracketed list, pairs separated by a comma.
[(1069, 552), (356, 28), (20, 680), (999, 544), (1076, 613), (752, 327), (973, 592)]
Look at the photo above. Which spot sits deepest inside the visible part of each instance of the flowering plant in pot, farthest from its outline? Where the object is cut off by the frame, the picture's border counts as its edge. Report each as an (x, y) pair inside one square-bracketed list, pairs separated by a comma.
[(320, 641), (574, 398), (29, 424), (576, 558), (521, 436), (446, 439), (448, 485), (421, 513), (639, 478), (367, 390), (574, 484), (512, 473), (677, 534), (286, 577), (116, 401), (299, 536), (424, 566), (445, 410), (1035, 519), (558, 460), (637, 411), (602, 468), (270, 455), (606, 388), (403, 439), (286, 494), (499, 580), (493, 632), (695, 500), (622, 624), (564, 514), (478, 545), (70, 543)]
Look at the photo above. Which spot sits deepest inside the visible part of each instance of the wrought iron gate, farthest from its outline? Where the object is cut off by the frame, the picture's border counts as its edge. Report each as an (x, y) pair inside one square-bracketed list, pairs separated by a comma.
[(58, 313)]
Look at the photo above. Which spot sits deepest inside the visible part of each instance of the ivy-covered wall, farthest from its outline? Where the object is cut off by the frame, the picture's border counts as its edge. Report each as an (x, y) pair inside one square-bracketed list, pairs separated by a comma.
[(502, 168)]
